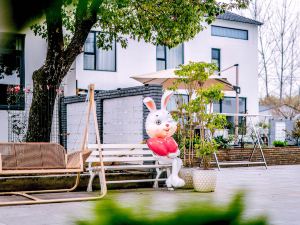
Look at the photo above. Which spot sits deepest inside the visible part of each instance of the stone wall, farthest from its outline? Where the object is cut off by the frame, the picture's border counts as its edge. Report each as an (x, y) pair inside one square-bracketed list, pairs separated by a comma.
[(154, 91), (274, 156)]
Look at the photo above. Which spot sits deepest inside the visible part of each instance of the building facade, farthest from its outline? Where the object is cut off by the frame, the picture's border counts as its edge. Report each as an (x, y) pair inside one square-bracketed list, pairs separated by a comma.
[(231, 39)]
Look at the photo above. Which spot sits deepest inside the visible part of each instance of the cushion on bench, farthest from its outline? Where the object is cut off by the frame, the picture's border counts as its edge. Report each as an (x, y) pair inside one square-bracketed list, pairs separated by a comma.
[(26, 156)]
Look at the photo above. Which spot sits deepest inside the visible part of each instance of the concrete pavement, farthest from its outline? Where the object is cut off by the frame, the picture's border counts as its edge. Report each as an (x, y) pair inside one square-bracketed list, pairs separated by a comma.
[(274, 192)]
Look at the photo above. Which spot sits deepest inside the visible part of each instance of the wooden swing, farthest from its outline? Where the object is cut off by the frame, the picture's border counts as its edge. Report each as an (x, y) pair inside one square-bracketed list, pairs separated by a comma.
[(50, 158)]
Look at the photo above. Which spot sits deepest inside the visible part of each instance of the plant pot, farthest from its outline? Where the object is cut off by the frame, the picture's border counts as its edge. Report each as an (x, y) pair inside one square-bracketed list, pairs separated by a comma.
[(204, 180), (187, 175)]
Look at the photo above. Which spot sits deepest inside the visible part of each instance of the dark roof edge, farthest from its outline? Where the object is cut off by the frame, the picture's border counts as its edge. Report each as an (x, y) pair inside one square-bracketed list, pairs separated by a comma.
[(230, 16)]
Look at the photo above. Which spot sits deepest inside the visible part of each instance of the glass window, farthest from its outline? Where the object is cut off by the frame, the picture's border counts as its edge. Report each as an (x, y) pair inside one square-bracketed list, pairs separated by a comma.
[(96, 58), (176, 100), (216, 57), (12, 78), (160, 65), (167, 58), (227, 105), (89, 43), (89, 62), (229, 32), (160, 52)]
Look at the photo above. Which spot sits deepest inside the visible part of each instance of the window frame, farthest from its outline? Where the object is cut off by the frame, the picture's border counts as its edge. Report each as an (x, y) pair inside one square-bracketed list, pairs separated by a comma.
[(230, 28), (95, 55), (179, 94), (165, 59), (219, 60), (240, 118), (221, 101), (21, 105)]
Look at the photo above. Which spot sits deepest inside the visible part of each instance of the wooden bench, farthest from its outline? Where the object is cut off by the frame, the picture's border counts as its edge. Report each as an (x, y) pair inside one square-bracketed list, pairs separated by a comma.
[(125, 157), (39, 159)]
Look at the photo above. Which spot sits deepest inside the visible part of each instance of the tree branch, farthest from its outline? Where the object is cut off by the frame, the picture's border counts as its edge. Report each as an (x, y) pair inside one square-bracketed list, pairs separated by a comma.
[(85, 20), (54, 29)]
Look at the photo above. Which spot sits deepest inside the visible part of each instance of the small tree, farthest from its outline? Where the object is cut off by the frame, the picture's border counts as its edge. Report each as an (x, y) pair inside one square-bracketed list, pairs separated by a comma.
[(209, 122), (197, 113)]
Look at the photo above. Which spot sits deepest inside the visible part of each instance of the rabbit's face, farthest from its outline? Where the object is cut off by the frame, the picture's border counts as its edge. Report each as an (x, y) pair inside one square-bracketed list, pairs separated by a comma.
[(160, 124)]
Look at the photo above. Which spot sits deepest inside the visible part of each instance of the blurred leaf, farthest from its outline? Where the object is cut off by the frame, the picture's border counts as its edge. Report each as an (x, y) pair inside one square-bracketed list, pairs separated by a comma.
[(203, 213)]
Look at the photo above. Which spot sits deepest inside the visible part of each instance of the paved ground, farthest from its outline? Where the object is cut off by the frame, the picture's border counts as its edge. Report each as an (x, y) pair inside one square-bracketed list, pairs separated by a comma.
[(274, 192)]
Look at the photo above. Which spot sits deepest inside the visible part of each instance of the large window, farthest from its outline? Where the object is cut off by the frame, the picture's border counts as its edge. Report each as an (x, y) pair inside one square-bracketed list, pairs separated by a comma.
[(167, 58), (12, 78), (216, 57), (228, 105), (96, 58), (229, 32), (177, 100)]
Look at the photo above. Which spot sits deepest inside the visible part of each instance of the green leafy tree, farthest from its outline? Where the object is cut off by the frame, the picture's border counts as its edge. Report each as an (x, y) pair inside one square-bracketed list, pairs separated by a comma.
[(68, 22)]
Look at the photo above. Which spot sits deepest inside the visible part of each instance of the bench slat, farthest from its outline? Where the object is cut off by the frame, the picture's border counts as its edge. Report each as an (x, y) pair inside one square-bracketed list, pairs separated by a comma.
[(123, 152), (121, 159), (122, 167), (133, 181), (118, 146), (40, 171)]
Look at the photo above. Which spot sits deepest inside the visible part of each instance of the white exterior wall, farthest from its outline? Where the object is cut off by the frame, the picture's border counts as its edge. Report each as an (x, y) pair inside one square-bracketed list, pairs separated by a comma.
[(137, 58), (34, 55), (140, 58)]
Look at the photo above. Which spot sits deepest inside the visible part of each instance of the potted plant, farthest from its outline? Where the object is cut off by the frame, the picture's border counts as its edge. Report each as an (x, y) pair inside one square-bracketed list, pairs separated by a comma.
[(197, 114), (191, 78), (204, 178)]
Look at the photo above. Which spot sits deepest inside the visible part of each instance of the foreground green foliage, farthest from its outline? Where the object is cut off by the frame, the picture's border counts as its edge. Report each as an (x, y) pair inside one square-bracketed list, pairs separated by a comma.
[(110, 213)]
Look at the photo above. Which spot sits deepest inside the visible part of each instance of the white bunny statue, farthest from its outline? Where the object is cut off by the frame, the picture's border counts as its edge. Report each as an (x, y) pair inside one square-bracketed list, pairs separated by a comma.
[(160, 126)]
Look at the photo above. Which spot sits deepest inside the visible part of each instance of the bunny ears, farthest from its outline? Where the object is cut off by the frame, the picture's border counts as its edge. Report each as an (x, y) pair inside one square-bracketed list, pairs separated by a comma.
[(149, 102)]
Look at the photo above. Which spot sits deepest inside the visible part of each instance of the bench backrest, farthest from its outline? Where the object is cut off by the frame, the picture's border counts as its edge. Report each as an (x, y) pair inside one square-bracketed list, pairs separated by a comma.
[(22, 156), (121, 153)]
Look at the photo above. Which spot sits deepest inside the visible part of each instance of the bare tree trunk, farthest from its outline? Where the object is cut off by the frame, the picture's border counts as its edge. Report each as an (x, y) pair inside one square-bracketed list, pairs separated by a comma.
[(276, 50), (282, 30), (46, 79), (294, 65), (41, 110), (282, 56), (58, 62), (259, 10)]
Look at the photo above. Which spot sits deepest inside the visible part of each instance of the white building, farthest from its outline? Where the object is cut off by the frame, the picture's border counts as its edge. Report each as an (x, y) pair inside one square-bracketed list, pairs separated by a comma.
[(231, 39)]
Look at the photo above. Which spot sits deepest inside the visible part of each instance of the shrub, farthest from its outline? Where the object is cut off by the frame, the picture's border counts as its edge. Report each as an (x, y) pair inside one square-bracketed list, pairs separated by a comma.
[(278, 143), (110, 213), (223, 142)]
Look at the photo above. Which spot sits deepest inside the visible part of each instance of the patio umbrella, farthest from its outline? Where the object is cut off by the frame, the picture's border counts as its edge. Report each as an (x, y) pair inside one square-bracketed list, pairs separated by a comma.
[(167, 77)]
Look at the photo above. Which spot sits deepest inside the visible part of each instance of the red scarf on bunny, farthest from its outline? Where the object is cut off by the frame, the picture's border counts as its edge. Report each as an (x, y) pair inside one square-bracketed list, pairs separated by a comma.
[(162, 146)]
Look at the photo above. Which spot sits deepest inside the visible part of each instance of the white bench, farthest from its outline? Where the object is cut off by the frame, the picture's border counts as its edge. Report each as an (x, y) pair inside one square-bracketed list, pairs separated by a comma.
[(124, 157)]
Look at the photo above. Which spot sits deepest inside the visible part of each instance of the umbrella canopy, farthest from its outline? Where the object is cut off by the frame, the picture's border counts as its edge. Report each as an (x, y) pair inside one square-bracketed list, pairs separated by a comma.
[(166, 78)]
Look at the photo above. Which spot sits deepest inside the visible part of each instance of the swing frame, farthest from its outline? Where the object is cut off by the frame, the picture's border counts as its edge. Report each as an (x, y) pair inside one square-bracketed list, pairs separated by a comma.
[(257, 145), (42, 171)]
